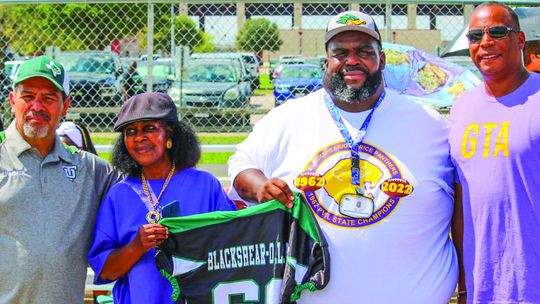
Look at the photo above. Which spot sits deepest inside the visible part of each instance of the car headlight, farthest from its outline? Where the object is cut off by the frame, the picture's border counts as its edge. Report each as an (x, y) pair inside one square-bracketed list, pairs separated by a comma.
[(281, 88), (232, 94)]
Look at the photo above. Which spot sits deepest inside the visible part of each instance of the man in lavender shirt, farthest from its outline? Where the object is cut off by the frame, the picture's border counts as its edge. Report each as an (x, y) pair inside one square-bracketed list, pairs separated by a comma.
[(495, 145)]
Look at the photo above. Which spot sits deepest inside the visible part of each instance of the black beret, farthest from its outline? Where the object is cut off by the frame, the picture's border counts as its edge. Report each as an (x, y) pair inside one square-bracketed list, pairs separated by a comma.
[(146, 106)]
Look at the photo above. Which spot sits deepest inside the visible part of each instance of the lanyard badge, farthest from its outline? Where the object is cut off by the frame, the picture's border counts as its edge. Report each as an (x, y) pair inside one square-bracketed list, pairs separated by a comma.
[(357, 205)]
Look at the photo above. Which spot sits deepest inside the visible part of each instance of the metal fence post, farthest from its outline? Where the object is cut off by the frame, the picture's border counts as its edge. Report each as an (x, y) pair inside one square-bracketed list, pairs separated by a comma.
[(388, 21), (150, 47), (172, 31)]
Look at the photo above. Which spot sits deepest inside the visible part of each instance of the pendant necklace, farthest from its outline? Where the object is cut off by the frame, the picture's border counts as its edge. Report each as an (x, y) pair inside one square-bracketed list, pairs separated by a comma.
[(153, 216)]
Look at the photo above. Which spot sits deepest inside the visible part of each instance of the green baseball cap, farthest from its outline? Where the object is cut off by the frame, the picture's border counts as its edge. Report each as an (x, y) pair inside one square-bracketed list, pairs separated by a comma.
[(46, 67)]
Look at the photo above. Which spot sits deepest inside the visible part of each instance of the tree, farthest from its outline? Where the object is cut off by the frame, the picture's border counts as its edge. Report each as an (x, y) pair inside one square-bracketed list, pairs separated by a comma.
[(257, 35), (34, 27), (186, 33), (207, 44)]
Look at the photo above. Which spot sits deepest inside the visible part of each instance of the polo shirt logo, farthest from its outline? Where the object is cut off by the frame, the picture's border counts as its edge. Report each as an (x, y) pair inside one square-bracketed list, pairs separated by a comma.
[(70, 172), (16, 172)]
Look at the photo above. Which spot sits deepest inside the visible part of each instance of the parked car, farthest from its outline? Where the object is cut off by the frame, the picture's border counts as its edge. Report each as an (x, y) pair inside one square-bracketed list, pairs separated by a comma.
[(211, 83), (288, 61), (296, 80), (287, 57), (163, 71), (95, 78), (253, 64), (319, 60), (246, 74)]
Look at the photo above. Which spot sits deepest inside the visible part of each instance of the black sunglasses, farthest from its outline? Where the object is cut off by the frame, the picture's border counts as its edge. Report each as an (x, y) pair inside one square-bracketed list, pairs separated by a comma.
[(495, 32)]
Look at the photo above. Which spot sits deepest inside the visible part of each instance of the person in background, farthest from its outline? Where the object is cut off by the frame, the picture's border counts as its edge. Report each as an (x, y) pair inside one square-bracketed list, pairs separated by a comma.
[(131, 82), (158, 153), (495, 146), (76, 135), (49, 194), (375, 169), (531, 56)]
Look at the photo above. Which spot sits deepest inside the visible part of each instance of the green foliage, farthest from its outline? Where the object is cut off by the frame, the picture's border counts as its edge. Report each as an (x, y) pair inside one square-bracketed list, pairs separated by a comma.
[(32, 28), (207, 45), (186, 32), (257, 35)]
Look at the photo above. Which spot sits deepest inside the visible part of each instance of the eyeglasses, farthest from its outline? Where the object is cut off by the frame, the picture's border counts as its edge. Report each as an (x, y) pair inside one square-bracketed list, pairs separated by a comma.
[(495, 32)]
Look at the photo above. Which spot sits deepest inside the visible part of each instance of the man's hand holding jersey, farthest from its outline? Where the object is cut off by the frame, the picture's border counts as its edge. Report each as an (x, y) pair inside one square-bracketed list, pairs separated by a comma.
[(253, 186)]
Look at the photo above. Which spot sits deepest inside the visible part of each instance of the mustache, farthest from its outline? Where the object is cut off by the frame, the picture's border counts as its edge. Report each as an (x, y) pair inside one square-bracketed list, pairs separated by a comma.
[(37, 114), (354, 68)]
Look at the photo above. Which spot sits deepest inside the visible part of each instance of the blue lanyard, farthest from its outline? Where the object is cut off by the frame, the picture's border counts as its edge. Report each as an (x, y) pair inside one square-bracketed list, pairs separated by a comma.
[(354, 145)]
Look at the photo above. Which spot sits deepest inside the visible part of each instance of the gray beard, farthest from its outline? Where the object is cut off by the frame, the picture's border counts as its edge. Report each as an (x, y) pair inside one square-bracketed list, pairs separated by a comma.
[(336, 85), (34, 132)]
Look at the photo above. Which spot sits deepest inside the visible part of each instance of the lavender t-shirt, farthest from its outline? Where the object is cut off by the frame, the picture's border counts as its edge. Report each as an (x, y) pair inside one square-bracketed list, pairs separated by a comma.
[(495, 145)]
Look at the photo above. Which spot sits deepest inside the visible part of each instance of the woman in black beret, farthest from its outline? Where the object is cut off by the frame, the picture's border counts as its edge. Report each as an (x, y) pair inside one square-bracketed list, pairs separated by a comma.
[(158, 153)]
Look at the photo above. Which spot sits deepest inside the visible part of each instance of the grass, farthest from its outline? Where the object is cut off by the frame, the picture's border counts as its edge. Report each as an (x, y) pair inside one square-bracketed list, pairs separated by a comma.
[(266, 86), (219, 158), (204, 139)]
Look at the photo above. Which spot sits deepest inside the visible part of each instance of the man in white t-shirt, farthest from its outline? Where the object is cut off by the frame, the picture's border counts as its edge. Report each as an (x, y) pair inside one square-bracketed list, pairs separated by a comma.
[(374, 169)]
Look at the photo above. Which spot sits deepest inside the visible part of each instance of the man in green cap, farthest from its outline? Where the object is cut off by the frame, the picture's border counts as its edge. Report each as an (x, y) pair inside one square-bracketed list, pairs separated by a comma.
[(49, 193)]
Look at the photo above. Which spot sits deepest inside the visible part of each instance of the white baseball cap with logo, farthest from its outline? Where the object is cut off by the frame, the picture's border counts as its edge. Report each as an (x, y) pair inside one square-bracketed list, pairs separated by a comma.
[(351, 21)]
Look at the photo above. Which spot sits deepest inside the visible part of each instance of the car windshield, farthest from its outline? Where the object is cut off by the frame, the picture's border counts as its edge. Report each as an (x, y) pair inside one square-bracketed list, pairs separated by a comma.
[(300, 73), (159, 70), (249, 59), (210, 73), (83, 64)]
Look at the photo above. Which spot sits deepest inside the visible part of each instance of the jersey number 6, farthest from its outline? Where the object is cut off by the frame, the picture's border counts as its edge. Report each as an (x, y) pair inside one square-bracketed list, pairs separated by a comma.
[(248, 289)]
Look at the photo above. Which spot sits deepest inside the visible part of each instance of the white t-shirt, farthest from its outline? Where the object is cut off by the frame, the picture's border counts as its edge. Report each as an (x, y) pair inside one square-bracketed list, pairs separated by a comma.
[(402, 252)]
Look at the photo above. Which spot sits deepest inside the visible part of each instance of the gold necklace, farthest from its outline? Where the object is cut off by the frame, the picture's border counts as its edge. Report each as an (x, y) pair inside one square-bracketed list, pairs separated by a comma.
[(153, 215)]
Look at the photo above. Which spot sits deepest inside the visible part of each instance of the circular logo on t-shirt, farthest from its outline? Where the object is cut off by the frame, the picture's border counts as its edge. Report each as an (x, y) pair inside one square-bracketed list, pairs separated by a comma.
[(327, 185)]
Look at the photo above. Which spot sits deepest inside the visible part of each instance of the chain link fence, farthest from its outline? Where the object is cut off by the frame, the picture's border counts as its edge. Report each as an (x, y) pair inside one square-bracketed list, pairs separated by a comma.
[(219, 61)]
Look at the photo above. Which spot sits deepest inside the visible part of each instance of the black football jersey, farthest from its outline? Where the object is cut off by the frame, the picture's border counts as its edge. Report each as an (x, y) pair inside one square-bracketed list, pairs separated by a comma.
[(263, 254)]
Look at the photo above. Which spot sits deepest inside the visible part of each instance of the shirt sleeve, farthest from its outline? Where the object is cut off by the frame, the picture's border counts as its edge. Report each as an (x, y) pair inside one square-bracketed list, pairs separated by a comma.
[(105, 239)]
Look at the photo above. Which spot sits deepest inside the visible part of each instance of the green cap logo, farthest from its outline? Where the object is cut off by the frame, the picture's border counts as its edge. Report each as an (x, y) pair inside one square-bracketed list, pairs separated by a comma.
[(56, 70), (350, 19), (46, 67)]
